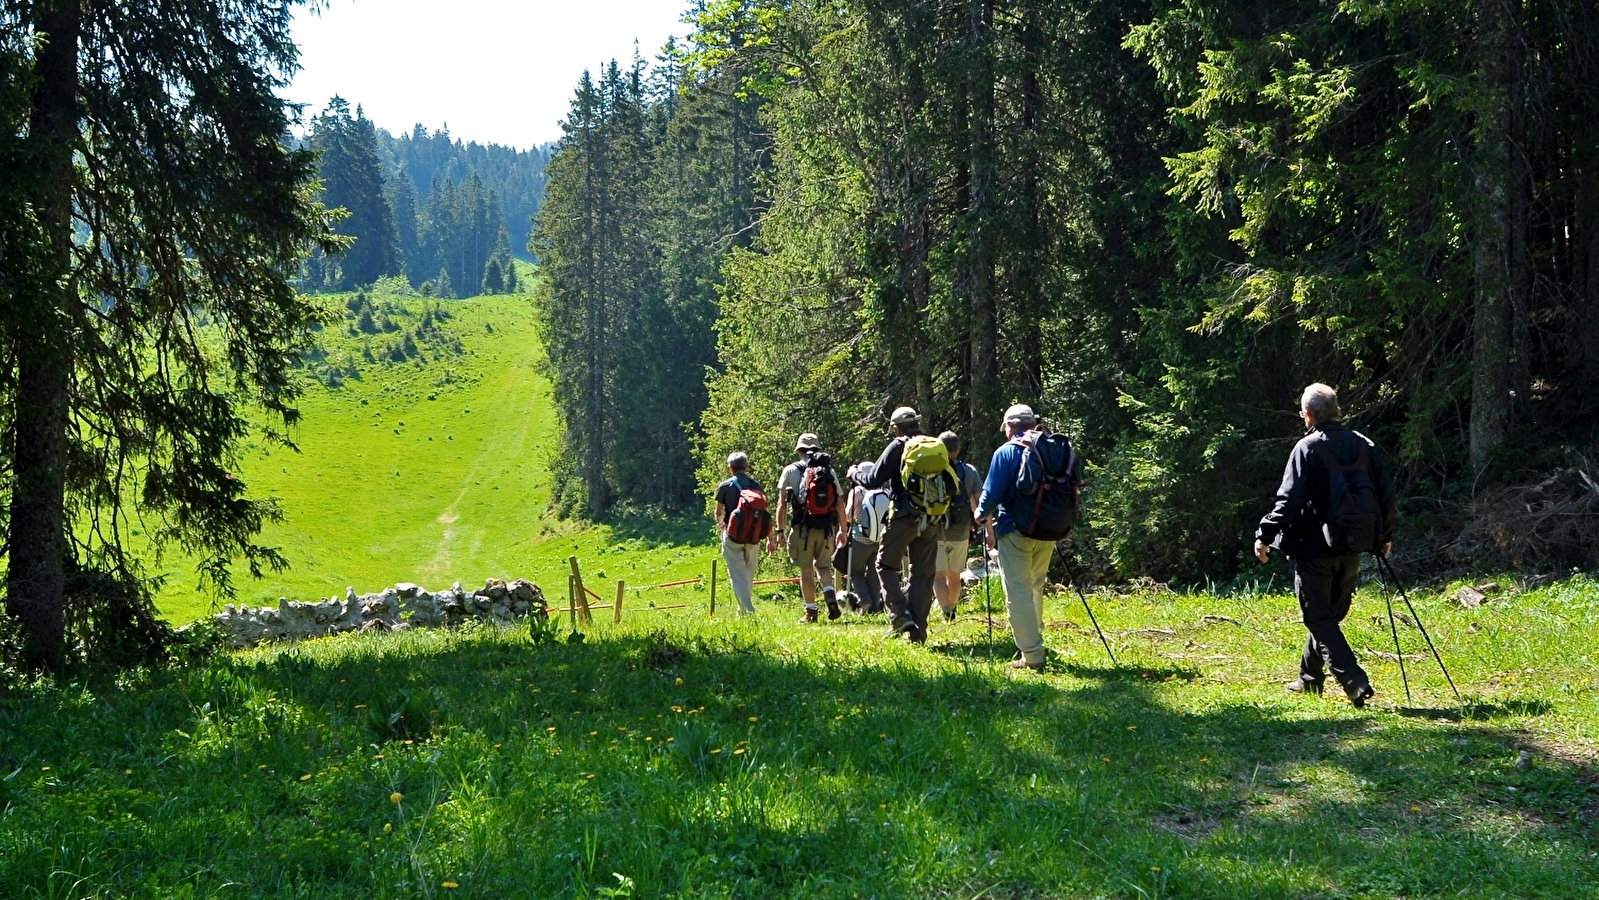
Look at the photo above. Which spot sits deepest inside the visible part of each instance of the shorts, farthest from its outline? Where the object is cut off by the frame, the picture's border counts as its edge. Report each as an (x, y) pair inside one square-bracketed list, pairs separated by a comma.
[(811, 547), (952, 555)]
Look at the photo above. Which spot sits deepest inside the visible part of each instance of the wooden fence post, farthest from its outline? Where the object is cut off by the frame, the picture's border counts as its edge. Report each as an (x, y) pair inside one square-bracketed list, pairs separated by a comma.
[(616, 611), (582, 602), (713, 587), (571, 598)]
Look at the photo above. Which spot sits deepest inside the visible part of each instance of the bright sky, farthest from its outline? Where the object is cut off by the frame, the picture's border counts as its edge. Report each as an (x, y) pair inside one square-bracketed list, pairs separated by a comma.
[(497, 71)]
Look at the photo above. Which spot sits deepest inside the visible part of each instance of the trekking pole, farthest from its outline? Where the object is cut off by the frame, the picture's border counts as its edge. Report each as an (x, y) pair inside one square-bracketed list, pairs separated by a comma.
[(1382, 564), (988, 610), (1398, 653), (1071, 573)]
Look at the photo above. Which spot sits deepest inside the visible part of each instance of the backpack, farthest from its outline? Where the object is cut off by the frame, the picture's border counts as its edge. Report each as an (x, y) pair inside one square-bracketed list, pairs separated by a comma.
[(750, 522), (960, 510), (1353, 518), (1047, 477), (925, 471), (873, 516), (816, 504)]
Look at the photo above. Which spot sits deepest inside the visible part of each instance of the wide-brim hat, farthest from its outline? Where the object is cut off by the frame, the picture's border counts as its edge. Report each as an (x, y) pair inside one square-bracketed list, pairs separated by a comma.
[(808, 441)]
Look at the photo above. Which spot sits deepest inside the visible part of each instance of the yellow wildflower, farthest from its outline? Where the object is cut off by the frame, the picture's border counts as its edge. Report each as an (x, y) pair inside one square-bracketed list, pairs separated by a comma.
[(396, 797)]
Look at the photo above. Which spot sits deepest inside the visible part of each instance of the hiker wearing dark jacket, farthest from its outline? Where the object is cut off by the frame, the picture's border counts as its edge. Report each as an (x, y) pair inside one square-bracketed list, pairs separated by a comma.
[(1324, 577), (908, 535)]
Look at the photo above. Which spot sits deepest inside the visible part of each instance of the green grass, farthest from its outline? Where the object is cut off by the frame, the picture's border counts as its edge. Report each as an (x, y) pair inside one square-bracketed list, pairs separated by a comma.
[(431, 470), (758, 758)]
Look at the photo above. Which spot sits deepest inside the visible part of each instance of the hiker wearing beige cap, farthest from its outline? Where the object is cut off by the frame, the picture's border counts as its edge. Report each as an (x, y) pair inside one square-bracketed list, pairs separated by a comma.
[(916, 466), (810, 522)]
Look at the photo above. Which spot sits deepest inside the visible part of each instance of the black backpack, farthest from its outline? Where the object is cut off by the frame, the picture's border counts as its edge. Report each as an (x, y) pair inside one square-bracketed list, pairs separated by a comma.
[(1352, 520), (816, 503), (1046, 481)]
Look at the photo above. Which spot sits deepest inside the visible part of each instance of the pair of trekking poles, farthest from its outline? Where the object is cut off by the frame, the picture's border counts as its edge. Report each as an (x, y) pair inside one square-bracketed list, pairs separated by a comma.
[(1385, 576), (1071, 573)]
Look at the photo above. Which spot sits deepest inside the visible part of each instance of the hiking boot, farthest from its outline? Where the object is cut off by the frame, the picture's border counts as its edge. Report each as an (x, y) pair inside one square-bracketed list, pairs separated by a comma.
[(1359, 693), (1303, 685), (949, 616), (809, 617), (894, 631), (832, 610), (1021, 664)]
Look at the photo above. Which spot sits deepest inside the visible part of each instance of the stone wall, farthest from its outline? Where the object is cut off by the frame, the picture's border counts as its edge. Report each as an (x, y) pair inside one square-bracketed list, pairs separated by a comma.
[(395, 609)]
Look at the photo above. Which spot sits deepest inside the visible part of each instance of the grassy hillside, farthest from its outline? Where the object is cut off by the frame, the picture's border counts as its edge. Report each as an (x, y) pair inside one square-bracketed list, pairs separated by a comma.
[(681, 757), (429, 463)]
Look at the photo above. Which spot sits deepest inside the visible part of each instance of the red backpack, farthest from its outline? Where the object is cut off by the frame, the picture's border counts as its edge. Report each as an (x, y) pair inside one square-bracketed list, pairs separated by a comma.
[(750, 522), (817, 503)]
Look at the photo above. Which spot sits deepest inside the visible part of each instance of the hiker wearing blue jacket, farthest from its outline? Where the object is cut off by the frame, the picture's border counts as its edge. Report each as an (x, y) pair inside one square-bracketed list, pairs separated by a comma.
[(1023, 561)]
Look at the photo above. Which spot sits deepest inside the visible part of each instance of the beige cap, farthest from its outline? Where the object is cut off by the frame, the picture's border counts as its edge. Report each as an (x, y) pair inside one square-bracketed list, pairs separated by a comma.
[(904, 416), (1020, 414), (808, 441)]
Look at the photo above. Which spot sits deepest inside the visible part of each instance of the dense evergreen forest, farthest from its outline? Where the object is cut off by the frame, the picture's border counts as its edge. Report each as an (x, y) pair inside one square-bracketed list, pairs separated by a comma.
[(1156, 221), (448, 215)]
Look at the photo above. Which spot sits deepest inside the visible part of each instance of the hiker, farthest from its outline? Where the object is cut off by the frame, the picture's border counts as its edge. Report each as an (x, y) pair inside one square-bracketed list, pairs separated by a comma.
[(1030, 502), (1335, 502), (915, 467), (867, 514), (957, 536), (810, 522), (745, 522)]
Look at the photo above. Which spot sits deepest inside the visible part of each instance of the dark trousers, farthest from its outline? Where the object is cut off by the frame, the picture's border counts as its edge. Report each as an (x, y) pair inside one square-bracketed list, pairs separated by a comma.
[(863, 574), (904, 538), (1325, 586)]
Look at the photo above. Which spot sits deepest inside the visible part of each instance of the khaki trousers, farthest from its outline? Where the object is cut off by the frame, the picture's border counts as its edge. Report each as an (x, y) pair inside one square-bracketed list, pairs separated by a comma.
[(1024, 566), (742, 561)]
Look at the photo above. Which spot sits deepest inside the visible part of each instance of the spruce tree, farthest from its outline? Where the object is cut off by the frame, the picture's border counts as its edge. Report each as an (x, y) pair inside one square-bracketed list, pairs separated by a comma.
[(158, 193)]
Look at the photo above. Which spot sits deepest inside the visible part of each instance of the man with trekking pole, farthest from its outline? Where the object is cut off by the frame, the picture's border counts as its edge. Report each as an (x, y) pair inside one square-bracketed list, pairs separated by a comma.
[(1029, 503), (1335, 503), (810, 522), (916, 468)]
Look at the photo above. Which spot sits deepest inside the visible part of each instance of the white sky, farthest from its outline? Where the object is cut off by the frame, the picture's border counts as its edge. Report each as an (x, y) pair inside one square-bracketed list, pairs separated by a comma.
[(497, 71)]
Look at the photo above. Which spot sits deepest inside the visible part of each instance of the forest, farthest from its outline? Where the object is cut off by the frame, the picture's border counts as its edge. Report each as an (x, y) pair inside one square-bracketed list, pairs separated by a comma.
[(449, 216), (1155, 221)]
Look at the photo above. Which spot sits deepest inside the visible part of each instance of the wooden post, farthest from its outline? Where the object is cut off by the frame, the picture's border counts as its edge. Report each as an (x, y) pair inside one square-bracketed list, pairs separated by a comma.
[(571, 598), (616, 611), (582, 596), (713, 587)]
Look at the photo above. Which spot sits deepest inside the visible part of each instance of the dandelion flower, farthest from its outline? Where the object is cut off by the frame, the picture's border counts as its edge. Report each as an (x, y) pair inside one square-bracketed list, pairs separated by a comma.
[(589, 776), (716, 751), (396, 797), (1132, 728), (755, 718), (450, 885), (739, 752), (1104, 759), (305, 777), (1154, 868), (128, 772), (550, 729), (678, 682), (1415, 809), (388, 827)]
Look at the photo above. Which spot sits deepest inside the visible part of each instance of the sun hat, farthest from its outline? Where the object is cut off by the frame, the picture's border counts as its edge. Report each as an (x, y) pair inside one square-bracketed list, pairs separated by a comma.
[(808, 441), (904, 416)]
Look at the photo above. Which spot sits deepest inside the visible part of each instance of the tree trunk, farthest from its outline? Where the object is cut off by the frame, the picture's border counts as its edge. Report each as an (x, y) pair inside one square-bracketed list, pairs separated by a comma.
[(980, 249), (36, 573), (1491, 318)]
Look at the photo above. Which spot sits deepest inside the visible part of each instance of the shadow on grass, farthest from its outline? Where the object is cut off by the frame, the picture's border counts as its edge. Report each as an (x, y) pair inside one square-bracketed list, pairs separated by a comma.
[(727, 765), (657, 528)]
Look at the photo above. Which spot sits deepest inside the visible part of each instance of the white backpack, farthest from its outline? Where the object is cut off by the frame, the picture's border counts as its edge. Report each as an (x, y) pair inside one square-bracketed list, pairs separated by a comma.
[(875, 506)]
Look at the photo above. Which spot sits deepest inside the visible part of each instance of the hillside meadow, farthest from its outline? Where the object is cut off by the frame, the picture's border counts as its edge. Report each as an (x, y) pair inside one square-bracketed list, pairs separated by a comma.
[(431, 467)]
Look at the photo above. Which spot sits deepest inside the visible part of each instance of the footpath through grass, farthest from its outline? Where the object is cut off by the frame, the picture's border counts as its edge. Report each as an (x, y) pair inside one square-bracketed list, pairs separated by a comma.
[(429, 463), (678, 756)]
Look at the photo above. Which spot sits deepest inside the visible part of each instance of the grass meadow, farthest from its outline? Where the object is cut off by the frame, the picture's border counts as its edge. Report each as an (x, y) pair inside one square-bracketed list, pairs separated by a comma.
[(431, 468), (679, 755)]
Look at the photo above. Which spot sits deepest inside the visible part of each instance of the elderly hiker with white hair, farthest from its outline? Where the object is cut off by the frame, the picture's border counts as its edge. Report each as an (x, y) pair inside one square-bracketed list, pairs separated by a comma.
[(1335, 502), (1029, 502), (916, 468)]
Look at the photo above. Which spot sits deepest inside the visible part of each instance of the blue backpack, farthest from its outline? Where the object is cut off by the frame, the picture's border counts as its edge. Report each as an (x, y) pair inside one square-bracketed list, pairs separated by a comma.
[(1046, 486)]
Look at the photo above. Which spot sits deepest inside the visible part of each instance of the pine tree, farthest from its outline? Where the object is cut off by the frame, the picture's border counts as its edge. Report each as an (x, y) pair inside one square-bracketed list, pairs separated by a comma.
[(353, 181)]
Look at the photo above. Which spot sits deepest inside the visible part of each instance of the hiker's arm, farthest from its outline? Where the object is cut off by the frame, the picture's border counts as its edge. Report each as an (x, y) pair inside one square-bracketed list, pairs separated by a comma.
[(887, 467), (843, 513), (1001, 472), (1292, 495), (721, 517)]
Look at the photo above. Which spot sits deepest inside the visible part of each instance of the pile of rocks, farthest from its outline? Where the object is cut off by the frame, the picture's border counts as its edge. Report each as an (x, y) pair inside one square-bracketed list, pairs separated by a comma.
[(395, 609)]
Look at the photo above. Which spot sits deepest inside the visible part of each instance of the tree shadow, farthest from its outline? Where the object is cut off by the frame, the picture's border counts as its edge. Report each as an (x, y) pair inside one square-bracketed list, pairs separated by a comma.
[(719, 763)]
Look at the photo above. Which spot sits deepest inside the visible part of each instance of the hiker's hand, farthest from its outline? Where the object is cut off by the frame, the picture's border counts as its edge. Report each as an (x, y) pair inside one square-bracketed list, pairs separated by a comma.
[(1387, 549), (1262, 552)]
